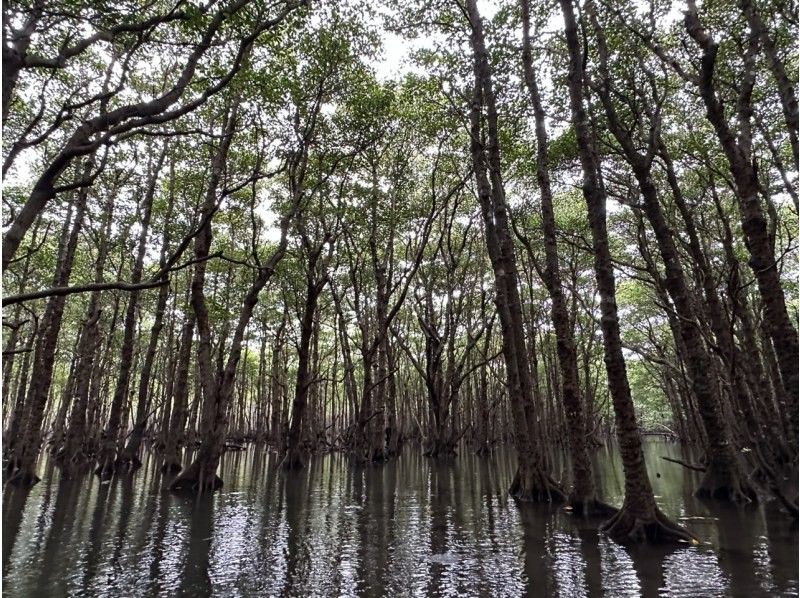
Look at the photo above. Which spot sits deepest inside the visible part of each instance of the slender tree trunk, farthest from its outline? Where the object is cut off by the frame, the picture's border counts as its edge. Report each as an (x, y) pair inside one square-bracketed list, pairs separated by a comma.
[(22, 464), (116, 424), (276, 381), (531, 482), (177, 423), (129, 457), (293, 458), (583, 495)]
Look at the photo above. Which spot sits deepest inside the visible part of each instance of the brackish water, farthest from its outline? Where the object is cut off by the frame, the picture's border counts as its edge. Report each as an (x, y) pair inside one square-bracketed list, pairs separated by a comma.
[(411, 527)]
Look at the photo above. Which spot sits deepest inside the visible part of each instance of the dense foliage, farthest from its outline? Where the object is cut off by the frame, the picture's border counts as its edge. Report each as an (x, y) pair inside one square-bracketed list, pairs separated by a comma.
[(273, 222)]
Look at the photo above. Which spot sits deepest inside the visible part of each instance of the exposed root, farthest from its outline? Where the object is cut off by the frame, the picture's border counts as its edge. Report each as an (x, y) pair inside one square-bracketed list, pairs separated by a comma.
[(11, 465), (483, 450), (77, 464), (685, 464), (59, 456), (627, 528), (790, 505), (440, 450), (106, 469), (170, 466), (532, 485), (377, 455)]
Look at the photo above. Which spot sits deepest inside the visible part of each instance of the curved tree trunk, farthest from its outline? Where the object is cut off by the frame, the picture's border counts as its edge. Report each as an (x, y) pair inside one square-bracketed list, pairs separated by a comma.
[(738, 152), (723, 478), (639, 519)]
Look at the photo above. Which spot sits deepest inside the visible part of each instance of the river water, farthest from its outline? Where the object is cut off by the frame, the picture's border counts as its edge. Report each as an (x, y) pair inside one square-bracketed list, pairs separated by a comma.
[(411, 527)]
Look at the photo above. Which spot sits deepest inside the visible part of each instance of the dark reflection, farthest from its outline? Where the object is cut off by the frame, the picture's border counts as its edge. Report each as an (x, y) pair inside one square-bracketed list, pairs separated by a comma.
[(14, 499), (649, 566), (410, 527), (295, 489), (60, 527), (121, 539), (195, 578), (590, 553), (778, 550), (538, 565), (160, 517), (738, 534), (98, 529)]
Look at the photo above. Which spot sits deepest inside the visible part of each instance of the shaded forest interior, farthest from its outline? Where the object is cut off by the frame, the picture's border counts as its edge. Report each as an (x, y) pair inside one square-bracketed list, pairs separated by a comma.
[(548, 224)]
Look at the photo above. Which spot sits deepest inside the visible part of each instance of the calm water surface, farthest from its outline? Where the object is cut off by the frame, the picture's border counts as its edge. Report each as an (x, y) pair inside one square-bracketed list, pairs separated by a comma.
[(411, 527)]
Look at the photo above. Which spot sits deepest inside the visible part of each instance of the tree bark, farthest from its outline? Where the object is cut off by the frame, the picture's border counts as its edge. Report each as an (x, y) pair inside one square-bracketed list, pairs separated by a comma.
[(639, 519), (531, 482)]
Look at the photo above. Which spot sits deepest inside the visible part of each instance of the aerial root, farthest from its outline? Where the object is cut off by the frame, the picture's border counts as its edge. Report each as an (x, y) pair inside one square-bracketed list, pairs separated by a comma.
[(627, 528), (530, 485), (726, 486)]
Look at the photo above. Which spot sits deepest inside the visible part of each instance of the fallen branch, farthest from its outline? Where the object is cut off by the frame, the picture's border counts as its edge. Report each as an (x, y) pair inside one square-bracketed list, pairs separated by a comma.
[(684, 463)]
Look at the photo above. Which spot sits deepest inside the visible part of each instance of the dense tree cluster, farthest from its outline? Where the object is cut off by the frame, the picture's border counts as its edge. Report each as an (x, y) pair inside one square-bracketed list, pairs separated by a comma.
[(558, 223)]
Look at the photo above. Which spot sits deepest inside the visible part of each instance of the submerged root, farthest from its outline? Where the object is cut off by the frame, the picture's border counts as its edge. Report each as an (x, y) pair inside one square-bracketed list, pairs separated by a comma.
[(23, 477), (128, 462), (628, 528), (293, 460), (195, 481), (531, 485), (589, 506), (726, 486)]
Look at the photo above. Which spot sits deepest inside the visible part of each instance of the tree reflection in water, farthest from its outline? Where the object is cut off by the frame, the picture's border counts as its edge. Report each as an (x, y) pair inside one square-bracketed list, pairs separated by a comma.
[(412, 526)]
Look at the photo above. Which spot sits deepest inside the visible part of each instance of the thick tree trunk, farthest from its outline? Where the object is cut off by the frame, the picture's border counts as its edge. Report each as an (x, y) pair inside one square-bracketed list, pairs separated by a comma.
[(639, 519)]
